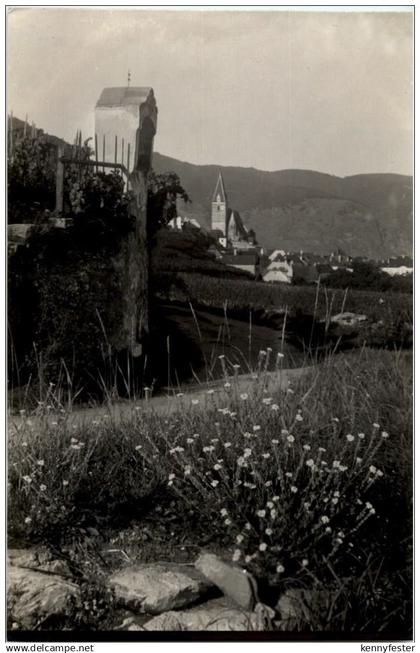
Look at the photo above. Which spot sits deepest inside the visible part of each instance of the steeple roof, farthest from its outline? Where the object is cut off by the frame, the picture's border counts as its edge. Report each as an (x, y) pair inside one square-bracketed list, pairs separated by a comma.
[(220, 190)]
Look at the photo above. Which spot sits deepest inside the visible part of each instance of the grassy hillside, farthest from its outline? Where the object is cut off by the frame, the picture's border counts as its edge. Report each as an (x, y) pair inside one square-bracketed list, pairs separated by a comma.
[(367, 215)]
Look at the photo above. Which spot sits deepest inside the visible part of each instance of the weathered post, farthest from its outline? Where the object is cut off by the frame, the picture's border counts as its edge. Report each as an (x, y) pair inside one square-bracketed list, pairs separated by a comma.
[(137, 314)]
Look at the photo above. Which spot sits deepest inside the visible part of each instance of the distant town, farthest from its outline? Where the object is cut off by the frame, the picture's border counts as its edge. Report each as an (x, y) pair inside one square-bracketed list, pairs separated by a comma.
[(237, 247)]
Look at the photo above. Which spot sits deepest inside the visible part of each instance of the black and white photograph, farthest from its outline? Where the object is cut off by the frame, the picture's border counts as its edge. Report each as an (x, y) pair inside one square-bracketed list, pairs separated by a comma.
[(209, 271)]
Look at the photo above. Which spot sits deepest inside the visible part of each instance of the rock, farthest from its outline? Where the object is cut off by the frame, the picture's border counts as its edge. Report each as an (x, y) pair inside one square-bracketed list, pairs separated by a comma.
[(209, 616), (39, 560), (298, 607), (234, 582), (348, 319), (130, 623), (159, 587), (34, 597)]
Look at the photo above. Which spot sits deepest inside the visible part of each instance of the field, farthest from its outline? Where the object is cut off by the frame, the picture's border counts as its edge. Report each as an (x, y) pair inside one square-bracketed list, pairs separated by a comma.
[(245, 295), (308, 487)]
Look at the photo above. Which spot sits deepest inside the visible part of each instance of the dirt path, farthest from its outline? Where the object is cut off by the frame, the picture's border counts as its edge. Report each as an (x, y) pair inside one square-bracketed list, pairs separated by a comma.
[(165, 405)]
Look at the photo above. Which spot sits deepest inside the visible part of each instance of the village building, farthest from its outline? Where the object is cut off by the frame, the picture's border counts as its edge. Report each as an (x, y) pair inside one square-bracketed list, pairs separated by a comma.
[(285, 267), (180, 221), (246, 261), (398, 266)]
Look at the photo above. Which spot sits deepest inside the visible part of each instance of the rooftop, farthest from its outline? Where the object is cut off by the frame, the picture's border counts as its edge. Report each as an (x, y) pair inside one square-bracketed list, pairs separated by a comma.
[(119, 96)]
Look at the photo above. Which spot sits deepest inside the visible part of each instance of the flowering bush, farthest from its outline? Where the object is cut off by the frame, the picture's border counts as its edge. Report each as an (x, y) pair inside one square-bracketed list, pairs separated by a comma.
[(290, 497), (300, 485)]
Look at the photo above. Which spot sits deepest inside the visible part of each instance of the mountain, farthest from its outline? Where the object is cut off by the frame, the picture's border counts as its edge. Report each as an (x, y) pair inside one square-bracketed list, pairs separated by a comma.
[(365, 215)]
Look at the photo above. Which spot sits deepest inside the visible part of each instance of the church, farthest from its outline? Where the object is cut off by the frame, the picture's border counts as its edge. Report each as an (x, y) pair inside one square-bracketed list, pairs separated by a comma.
[(227, 224)]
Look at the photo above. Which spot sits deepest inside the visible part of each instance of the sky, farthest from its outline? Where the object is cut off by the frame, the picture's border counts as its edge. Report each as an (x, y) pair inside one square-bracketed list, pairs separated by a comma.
[(277, 89)]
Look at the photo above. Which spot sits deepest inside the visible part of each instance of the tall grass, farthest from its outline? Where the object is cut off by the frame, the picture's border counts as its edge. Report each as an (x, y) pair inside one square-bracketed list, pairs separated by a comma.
[(306, 486)]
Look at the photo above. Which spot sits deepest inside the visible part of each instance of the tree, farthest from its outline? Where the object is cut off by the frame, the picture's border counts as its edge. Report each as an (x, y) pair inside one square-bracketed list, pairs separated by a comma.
[(365, 275), (164, 190), (30, 179)]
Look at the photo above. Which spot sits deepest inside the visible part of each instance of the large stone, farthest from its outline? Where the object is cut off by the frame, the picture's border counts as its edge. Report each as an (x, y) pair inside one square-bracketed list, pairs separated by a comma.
[(130, 623), (35, 597), (234, 582), (348, 319), (39, 560), (214, 615), (299, 607), (158, 588)]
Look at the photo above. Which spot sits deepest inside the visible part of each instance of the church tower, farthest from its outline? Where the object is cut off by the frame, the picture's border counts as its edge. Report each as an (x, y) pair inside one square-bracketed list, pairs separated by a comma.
[(219, 207)]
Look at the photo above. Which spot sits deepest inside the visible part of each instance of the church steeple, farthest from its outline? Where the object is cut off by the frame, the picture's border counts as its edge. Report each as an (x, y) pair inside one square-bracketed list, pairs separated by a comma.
[(219, 194), (219, 207)]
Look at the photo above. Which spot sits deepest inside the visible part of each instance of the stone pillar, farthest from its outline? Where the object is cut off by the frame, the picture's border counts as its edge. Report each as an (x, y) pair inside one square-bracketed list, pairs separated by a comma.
[(135, 325)]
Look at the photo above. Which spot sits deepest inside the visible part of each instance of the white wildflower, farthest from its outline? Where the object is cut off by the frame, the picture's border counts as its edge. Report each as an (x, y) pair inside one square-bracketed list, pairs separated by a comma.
[(236, 555)]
